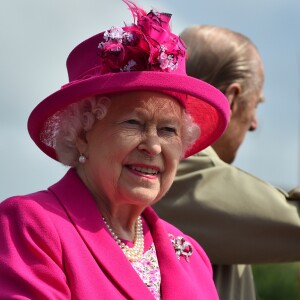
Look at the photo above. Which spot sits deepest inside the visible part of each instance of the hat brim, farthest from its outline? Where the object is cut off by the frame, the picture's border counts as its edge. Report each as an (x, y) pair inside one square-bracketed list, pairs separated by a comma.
[(207, 105)]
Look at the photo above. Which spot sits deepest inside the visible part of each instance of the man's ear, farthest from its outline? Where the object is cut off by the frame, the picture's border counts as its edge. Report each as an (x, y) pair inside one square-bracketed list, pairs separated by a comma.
[(232, 92)]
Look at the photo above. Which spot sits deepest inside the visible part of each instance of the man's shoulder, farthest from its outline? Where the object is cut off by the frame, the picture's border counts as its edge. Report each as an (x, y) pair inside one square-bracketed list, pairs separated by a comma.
[(203, 160)]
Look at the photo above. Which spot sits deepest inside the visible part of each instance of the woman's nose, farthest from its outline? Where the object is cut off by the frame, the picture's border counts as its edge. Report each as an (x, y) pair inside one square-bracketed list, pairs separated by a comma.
[(150, 144)]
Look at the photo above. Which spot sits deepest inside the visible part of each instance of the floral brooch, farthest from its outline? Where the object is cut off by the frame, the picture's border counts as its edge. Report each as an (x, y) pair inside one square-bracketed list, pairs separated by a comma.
[(181, 246)]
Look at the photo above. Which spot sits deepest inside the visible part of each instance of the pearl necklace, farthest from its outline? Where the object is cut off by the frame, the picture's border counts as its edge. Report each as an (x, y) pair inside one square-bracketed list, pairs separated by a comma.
[(136, 252)]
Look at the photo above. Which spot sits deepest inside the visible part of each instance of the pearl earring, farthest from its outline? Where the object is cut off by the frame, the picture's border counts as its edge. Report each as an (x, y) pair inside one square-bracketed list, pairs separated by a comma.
[(82, 159)]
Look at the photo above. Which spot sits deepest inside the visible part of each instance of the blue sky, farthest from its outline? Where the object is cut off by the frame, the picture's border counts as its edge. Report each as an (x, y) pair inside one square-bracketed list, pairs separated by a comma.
[(37, 35)]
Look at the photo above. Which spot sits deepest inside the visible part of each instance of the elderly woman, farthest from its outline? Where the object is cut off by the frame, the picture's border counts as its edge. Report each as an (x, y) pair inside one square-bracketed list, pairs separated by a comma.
[(122, 124)]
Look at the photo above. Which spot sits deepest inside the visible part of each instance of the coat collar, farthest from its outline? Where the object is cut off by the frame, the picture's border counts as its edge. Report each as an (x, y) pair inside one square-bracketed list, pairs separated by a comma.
[(86, 218), (176, 283), (209, 151)]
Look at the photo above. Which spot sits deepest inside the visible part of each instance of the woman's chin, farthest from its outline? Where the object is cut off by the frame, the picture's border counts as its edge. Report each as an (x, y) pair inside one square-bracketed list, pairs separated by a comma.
[(141, 196)]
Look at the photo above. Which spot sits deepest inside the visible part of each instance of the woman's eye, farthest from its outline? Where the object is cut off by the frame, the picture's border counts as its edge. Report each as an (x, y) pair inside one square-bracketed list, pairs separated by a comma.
[(133, 122), (170, 129)]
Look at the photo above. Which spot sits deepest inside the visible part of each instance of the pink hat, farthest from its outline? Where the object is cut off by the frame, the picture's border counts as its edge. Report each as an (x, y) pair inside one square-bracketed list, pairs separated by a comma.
[(143, 56)]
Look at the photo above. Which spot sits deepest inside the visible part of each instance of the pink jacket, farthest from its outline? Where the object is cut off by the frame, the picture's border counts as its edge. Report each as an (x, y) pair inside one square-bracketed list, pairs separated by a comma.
[(54, 245)]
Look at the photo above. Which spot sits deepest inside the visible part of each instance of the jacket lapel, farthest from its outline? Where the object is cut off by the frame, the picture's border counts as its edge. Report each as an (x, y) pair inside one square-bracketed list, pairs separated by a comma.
[(174, 272), (86, 218)]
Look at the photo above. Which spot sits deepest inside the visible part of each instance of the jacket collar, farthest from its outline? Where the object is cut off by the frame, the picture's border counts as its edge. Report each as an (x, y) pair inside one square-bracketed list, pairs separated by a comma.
[(209, 151), (86, 218)]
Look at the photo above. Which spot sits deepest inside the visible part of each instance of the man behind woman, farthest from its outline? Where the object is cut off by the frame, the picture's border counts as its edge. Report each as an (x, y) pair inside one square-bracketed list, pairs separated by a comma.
[(238, 218)]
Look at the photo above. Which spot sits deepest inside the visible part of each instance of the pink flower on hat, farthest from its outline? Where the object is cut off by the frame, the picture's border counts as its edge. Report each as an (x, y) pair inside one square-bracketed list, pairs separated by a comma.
[(148, 44)]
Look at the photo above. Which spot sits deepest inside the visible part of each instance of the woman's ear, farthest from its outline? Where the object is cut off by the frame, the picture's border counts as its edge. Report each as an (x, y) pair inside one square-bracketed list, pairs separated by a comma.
[(232, 93)]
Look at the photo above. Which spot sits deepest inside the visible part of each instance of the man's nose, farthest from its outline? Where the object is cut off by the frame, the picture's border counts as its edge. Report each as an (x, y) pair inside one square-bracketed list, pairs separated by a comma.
[(254, 124)]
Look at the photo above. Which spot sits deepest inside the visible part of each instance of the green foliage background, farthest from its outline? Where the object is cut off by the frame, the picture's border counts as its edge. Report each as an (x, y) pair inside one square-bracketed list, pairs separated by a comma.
[(277, 281)]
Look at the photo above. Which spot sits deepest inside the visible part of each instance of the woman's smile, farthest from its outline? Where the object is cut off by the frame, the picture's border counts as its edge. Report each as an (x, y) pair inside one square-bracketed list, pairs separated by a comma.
[(150, 172)]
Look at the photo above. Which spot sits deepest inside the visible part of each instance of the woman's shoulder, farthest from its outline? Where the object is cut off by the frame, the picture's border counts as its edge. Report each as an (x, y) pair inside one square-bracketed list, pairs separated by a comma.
[(32, 219), (30, 208), (40, 198)]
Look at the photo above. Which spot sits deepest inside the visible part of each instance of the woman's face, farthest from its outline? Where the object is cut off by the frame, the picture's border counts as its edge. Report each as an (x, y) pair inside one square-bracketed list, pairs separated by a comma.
[(133, 153)]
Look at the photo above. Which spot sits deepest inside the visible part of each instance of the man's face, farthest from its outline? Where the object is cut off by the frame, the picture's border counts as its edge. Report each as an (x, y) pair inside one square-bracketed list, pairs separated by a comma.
[(243, 119)]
